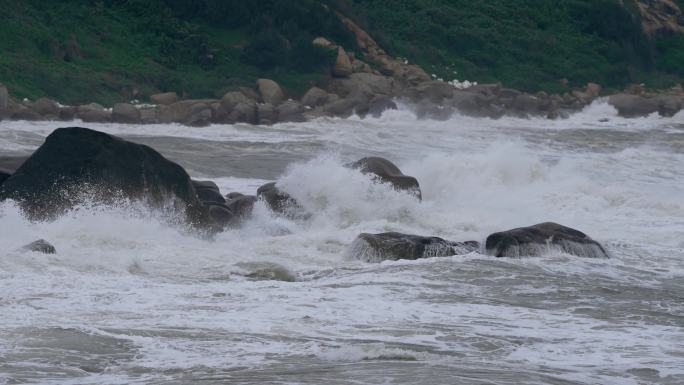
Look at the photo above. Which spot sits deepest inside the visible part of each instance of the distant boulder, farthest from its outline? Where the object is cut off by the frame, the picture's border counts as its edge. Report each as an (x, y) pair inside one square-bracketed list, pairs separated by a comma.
[(538, 239), (266, 114), (77, 163), (47, 108), (93, 112), (394, 246), (631, 106), (290, 111), (387, 172), (125, 113), (39, 246), (165, 98), (270, 91), (314, 97), (343, 66)]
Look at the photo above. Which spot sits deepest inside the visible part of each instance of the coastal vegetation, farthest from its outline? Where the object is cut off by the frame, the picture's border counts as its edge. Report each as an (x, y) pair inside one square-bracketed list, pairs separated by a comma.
[(79, 51)]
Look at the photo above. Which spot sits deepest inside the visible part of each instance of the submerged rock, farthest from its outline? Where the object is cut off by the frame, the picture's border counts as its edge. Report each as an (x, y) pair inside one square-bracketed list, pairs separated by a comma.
[(538, 239), (267, 271), (387, 172), (394, 246), (78, 163), (39, 246)]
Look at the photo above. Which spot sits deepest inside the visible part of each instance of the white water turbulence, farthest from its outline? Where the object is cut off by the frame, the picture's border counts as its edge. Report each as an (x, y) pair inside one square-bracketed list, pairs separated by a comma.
[(129, 298)]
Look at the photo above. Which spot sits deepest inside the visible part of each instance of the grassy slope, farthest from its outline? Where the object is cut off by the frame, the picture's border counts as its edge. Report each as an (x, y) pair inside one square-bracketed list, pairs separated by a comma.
[(527, 44), (122, 57)]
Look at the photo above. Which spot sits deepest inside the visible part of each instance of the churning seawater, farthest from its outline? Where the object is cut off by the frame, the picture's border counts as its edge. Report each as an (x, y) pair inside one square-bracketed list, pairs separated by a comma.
[(129, 299)]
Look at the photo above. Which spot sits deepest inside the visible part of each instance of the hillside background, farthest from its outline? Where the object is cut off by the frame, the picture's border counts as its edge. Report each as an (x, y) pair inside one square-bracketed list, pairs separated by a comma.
[(117, 50)]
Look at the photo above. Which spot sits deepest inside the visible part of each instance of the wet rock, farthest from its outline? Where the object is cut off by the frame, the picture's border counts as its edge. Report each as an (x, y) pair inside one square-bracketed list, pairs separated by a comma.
[(314, 97), (125, 113), (207, 191), (165, 98), (363, 86), (538, 239), (267, 271), (220, 216), (270, 91), (233, 195), (243, 113), (388, 172), (379, 104), (279, 201), (231, 99), (432, 111), (75, 162), (241, 205), (290, 111), (39, 246), (395, 246)]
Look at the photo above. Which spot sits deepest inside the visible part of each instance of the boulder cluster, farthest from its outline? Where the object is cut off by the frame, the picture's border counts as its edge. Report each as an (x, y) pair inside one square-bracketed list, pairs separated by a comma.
[(77, 164)]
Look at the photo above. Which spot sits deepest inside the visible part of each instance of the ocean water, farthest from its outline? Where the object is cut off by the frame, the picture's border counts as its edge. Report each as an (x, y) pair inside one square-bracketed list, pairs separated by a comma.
[(129, 299)]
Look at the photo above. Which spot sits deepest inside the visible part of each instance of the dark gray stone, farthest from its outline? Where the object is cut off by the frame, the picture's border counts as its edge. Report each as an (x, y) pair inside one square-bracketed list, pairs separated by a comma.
[(395, 246), (39, 246), (76, 161), (388, 172), (538, 239)]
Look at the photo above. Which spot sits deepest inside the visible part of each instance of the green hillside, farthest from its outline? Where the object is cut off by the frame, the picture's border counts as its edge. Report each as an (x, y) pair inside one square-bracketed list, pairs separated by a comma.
[(111, 50)]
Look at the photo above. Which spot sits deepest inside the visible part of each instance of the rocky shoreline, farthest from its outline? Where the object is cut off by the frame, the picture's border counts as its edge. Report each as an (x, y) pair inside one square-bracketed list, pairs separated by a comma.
[(366, 84), (362, 94), (78, 165)]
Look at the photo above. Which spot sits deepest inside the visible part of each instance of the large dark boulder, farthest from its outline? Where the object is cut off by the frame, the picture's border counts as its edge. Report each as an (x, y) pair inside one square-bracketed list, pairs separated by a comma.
[(8, 165), (279, 201), (75, 163), (394, 246), (538, 239), (387, 172)]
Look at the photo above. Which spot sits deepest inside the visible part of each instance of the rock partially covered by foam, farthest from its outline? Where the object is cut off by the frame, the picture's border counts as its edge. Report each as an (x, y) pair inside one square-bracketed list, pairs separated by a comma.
[(279, 201), (394, 246), (76, 163), (39, 246), (540, 238), (388, 172)]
